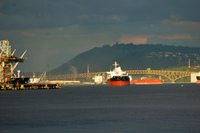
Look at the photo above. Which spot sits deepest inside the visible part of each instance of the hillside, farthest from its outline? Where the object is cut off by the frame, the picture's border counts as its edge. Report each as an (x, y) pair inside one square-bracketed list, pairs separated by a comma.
[(130, 56)]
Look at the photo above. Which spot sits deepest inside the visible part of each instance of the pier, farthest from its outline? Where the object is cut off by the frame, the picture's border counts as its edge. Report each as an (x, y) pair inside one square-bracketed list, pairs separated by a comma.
[(5, 86), (9, 80)]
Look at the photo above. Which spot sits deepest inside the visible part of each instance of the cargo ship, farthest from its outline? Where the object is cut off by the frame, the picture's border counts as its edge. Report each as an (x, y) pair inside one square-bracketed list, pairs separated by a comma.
[(117, 77), (146, 81)]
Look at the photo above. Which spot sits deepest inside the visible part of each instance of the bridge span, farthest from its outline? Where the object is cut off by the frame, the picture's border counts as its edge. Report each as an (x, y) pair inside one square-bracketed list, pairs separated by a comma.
[(171, 75)]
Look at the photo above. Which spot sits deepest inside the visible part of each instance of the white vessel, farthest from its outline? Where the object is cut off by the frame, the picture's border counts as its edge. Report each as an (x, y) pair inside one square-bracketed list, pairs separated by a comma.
[(40, 79)]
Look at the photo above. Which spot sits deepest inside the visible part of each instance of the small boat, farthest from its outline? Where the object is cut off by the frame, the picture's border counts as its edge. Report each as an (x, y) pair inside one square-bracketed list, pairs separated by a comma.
[(40, 79), (117, 77)]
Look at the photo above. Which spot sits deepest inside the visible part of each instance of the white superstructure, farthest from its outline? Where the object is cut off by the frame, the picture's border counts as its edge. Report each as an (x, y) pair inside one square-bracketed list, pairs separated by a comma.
[(117, 71), (40, 79)]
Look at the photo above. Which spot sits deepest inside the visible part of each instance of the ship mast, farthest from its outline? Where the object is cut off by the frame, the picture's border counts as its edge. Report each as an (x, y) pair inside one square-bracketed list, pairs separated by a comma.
[(115, 64)]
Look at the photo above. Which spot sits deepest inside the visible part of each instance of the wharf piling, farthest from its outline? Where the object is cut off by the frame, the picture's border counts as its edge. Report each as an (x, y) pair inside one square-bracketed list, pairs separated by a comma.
[(33, 86)]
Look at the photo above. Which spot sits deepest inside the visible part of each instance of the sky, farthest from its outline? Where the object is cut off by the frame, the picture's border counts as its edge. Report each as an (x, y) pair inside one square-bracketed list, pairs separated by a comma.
[(55, 31)]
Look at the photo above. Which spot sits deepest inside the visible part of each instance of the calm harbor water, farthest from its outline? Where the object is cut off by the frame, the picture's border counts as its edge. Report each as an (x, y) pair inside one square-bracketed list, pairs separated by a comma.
[(166, 108)]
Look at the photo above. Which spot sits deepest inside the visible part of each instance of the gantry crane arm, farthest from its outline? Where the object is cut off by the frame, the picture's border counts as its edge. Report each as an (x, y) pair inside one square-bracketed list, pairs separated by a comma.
[(23, 54), (13, 52), (18, 62)]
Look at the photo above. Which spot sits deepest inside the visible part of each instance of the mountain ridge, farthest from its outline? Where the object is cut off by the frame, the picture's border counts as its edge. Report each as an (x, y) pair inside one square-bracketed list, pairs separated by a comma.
[(130, 56)]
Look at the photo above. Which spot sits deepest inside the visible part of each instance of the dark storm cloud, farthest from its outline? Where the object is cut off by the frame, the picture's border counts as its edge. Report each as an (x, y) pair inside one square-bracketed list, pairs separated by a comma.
[(54, 31), (23, 14)]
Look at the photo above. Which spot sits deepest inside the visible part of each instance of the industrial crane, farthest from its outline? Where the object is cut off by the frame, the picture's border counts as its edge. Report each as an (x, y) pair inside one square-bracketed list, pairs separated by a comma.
[(7, 59), (10, 81)]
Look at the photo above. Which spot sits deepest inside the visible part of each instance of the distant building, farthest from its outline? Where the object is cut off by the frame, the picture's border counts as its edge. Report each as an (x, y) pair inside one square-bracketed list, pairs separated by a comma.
[(98, 79), (193, 76)]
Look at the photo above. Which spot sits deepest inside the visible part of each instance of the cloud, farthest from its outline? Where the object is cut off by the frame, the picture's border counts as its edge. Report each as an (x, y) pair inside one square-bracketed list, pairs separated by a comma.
[(102, 18), (143, 39), (52, 33), (187, 23), (53, 36), (74, 26), (60, 29), (28, 33), (175, 36), (23, 14), (182, 23), (135, 39)]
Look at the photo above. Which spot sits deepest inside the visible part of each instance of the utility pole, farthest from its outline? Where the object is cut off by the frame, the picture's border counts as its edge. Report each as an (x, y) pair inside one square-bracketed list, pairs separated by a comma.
[(188, 63), (88, 71)]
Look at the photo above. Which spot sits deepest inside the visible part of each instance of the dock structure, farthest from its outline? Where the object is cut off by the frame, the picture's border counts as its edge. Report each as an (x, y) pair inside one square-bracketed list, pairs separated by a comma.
[(8, 79), (65, 82), (29, 86)]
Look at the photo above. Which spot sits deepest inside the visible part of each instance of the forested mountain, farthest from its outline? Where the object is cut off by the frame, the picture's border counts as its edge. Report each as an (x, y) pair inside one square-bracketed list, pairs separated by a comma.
[(130, 57)]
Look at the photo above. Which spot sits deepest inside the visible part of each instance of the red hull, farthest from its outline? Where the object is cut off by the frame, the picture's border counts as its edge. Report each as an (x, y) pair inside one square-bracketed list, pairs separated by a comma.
[(146, 81), (118, 83), (198, 80)]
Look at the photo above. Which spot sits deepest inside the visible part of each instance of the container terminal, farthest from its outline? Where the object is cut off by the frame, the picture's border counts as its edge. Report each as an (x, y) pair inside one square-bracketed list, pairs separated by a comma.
[(11, 81)]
